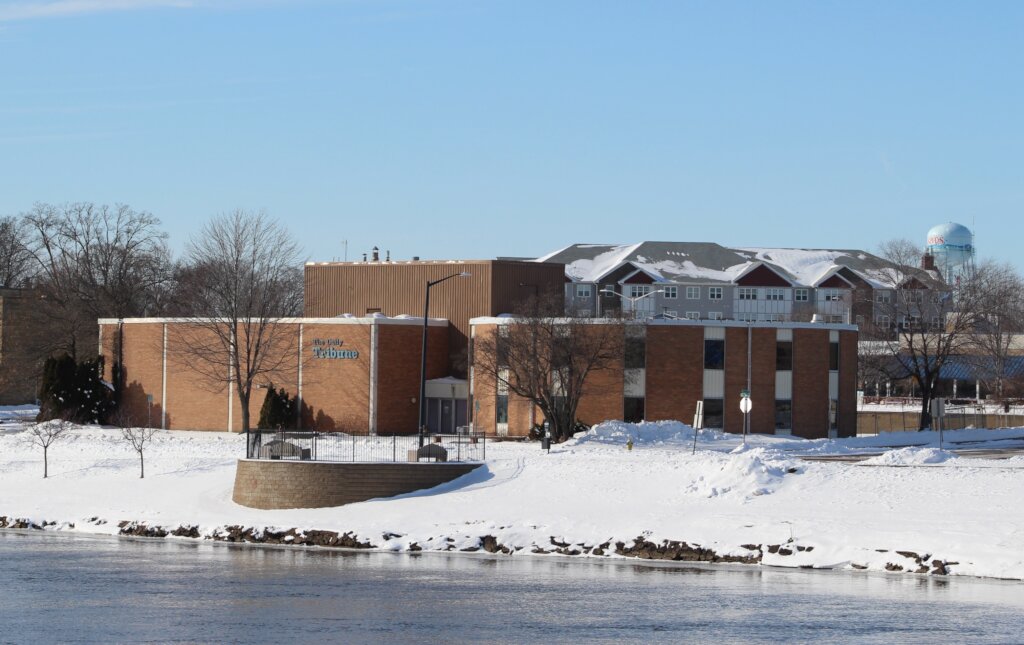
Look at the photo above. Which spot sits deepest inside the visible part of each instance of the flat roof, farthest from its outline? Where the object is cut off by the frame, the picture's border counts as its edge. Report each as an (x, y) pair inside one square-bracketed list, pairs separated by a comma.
[(337, 320), (679, 322)]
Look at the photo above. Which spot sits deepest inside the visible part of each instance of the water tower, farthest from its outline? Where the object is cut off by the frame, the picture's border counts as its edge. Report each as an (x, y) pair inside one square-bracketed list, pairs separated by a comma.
[(952, 246)]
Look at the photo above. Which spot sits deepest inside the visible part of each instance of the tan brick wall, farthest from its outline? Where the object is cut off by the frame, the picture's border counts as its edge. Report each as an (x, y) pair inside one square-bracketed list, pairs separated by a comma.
[(143, 375), (675, 372), (602, 396), (847, 384), (810, 382), (298, 484), (398, 377), (762, 386), (735, 376)]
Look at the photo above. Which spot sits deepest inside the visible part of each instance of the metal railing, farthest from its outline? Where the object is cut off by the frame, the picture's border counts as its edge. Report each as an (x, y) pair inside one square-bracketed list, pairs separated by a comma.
[(309, 445)]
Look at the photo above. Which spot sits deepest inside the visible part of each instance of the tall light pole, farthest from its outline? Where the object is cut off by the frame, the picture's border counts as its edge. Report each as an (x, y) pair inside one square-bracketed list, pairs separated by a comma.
[(423, 355), (631, 299)]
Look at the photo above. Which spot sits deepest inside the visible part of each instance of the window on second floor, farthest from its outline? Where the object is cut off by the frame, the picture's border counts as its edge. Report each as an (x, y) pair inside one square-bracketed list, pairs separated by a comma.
[(801, 295), (637, 290), (775, 294), (747, 293), (714, 293), (830, 295), (583, 291), (692, 293), (671, 292), (883, 297)]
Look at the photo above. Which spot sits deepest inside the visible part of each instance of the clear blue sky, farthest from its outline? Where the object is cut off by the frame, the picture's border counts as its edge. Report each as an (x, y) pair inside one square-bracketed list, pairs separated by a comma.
[(473, 129)]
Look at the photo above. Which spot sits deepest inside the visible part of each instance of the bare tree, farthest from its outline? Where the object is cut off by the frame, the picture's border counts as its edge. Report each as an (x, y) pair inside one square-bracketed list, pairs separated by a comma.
[(46, 434), (1002, 319), (16, 266), (244, 275), (94, 261), (546, 358), (930, 320), (137, 438)]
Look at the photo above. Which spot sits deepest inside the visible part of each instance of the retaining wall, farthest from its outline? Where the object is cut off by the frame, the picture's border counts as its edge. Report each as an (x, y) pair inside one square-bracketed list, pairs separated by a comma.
[(276, 484)]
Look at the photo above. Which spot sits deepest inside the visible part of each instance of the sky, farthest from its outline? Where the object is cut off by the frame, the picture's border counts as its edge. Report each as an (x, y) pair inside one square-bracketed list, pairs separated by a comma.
[(476, 129)]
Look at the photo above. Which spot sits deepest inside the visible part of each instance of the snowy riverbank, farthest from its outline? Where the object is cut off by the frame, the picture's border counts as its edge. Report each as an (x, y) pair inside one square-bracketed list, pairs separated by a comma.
[(912, 509)]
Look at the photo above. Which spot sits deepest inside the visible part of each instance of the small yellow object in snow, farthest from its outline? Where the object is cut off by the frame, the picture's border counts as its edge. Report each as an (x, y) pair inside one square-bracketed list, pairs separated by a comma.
[(629, 443)]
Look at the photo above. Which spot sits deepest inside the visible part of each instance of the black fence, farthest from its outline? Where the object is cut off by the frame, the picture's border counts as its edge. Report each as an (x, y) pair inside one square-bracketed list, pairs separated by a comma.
[(340, 447)]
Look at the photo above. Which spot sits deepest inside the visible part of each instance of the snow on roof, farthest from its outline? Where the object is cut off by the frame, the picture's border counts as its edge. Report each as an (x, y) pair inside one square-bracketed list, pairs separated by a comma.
[(708, 262)]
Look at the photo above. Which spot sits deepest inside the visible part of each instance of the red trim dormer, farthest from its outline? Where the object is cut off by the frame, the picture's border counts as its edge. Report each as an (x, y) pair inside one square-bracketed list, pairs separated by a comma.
[(762, 276)]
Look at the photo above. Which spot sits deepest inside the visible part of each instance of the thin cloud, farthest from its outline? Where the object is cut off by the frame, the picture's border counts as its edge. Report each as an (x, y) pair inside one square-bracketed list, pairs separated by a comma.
[(61, 8)]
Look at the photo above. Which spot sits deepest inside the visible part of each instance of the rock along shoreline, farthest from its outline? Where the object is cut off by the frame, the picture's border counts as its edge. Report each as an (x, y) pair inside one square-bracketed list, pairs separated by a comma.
[(640, 548)]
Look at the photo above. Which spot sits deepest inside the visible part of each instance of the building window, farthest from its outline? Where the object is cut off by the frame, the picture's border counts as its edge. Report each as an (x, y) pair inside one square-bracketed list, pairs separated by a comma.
[(747, 293), (829, 295), (637, 290), (671, 292), (693, 293), (746, 316), (882, 321), (715, 293), (713, 413), (633, 409), (833, 356), (636, 352), (714, 315), (693, 315), (775, 294), (583, 291), (670, 313), (834, 318), (784, 355), (501, 411), (883, 297), (935, 322), (773, 317), (801, 295), (783, 414), (714, 354)]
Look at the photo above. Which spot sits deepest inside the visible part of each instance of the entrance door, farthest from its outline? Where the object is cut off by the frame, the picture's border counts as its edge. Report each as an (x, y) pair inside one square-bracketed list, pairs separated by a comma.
[(447, 417)]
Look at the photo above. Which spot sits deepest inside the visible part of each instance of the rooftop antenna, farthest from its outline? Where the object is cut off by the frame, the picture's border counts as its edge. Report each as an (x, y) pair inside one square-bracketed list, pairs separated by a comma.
[(344, 245)]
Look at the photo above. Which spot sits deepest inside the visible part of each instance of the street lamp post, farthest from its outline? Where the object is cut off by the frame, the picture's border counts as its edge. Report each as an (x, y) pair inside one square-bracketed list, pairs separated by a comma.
[(423, 356)]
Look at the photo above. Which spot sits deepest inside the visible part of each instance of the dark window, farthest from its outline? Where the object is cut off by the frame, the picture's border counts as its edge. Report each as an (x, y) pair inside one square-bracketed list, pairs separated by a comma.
[(714, 356), (636, 350), (783, 415), (784, 355), (833, 356), (502, 409), (633, 409), (714, 416)]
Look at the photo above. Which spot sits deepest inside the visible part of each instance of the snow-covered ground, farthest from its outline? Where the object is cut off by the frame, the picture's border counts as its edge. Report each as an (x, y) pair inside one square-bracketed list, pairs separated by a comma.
[(587, 492)]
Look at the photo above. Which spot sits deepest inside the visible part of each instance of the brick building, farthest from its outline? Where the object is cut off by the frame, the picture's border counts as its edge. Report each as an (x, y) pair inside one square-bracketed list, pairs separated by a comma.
[(356, 375), (802, 379)]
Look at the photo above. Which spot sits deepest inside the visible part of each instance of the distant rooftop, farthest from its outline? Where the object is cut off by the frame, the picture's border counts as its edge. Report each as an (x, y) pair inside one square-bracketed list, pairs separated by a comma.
[(709, 262)]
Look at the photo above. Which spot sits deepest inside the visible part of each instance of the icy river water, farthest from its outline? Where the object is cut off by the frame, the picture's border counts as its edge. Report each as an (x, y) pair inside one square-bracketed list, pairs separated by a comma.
[(59, 588)]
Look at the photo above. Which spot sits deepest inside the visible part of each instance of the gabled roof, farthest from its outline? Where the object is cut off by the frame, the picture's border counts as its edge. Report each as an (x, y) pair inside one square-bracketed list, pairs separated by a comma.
[(707, 262)]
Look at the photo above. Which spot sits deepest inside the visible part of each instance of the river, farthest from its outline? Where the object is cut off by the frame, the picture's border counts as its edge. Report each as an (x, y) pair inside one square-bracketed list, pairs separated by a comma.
[(61, 588)]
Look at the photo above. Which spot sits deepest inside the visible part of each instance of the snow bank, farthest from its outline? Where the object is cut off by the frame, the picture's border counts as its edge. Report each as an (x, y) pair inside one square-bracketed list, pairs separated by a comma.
[(911, 456), (745, 472), (645, 433), (586, 493)]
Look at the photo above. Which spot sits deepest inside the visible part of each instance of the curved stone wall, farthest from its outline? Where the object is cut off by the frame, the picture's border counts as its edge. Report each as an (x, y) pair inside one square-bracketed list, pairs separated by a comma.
[(275, 484)]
